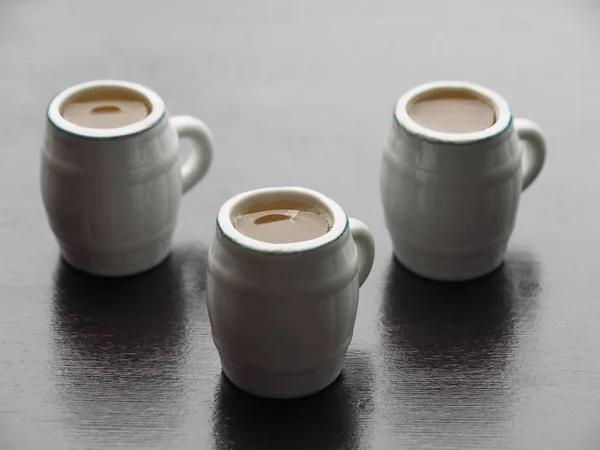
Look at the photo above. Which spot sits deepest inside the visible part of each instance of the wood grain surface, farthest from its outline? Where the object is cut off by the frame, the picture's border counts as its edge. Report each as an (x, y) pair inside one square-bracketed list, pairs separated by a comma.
[(301, 93)]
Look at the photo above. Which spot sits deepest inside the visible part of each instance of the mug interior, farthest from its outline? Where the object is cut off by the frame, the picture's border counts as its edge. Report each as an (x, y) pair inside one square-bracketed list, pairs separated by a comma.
[(236, 205), (503, 117), (134, 91), (99, 91)]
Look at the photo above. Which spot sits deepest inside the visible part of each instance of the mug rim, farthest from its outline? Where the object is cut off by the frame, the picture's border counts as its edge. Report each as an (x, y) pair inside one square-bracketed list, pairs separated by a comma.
[(59, 122), (228, 230), (503, 113)]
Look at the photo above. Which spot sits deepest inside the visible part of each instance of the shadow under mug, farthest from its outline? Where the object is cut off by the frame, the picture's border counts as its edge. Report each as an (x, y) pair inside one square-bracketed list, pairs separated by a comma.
[(282, 315), (450, 199), (112, 196)]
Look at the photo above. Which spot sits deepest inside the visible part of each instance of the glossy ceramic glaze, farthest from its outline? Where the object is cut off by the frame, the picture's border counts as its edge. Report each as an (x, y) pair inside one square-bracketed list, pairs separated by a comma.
[(450, 199), (282, 315), (112, 195)]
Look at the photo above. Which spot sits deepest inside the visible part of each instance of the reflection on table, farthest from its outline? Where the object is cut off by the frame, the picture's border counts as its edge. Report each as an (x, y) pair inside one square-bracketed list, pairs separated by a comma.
[(452, 350), (336, 417), (121, 345)]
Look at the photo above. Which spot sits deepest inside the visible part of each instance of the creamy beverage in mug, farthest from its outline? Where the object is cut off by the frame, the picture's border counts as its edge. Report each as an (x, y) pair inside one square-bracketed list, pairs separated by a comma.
[(284, 272), (282, 221), (453, 169), (106, 107), (112, 175)]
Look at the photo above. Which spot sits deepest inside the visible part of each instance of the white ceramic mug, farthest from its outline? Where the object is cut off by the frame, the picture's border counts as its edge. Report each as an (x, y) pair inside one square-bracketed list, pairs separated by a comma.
[(112, 195), (282, 315), (451, 199)]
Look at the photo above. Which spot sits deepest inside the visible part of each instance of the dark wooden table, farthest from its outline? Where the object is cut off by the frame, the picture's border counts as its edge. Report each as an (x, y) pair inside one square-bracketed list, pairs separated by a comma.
[(301, 93)]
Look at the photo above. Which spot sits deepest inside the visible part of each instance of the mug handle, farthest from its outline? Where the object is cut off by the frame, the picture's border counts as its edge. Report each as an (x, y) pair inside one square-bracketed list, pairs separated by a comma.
[(366, 248), (534, 154), (197, 163)]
